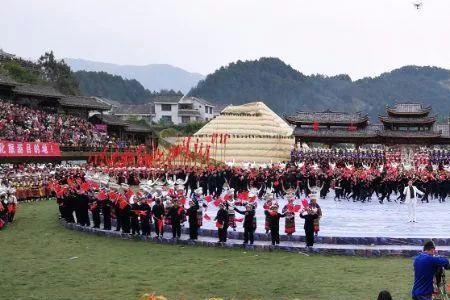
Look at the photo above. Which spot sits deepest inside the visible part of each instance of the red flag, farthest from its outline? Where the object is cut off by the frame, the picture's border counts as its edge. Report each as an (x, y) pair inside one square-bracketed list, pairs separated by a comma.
[(102, 195), (243, 195), (122, 203), (128, 194), (70, 182), (160, 225), (305, 203), (297, 208), (12, 208), (85, 186), (217, 202), (208, 198), (112, 196), (316, 126)]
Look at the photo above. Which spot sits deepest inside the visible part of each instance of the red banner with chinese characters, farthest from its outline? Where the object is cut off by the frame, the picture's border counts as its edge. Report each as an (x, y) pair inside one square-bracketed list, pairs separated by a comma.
[(24, 149)]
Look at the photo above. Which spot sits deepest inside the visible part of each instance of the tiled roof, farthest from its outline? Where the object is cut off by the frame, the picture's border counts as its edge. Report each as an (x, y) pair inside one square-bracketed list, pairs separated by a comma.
[(140, 109), (403, 120), (409, 134), (309, 132), (327, 117), (5, 80), (191, 99), (408, 108), (83, 101), (37, 90), (173, 99), (138, 128), (111, 120)]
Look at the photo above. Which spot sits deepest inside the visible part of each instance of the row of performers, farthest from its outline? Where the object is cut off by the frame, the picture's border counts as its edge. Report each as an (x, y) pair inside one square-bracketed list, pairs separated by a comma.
[(139, 214), (30, 190), (8, 204)]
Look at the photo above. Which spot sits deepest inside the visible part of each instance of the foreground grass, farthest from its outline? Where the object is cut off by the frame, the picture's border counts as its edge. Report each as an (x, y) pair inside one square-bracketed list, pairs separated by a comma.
[(37, 261)]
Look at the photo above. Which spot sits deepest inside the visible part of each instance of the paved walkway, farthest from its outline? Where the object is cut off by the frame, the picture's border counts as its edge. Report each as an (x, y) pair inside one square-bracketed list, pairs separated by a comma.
[(319, 248), (355, 219)]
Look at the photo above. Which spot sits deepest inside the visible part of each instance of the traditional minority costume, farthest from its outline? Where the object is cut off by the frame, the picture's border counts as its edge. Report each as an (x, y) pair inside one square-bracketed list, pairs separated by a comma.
[(222, 223), (249, 223), (289, 222), (309, 215), (274, 223)]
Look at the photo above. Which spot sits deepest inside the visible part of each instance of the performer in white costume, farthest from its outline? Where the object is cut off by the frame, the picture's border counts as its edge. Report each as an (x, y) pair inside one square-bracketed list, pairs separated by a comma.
[(411, 193)]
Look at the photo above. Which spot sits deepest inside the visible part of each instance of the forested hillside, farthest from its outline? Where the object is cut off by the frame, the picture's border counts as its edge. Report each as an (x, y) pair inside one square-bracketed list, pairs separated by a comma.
[(286, 90), (115, 87)]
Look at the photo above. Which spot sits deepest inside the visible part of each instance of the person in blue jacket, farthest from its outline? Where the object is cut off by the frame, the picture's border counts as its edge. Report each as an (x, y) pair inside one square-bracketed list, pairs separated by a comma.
[(426, 265)]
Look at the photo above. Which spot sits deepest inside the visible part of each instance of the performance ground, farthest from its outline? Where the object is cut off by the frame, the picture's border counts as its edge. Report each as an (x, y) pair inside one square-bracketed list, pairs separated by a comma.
[(370, 219), (40, 259)]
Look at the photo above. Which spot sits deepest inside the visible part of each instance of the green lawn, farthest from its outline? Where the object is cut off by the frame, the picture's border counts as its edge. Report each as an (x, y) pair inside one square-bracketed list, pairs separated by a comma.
[(37, 262)]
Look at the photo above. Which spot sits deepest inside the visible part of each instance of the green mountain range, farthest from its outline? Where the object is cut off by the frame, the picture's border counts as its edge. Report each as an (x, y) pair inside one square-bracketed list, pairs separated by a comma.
[(287, 90)]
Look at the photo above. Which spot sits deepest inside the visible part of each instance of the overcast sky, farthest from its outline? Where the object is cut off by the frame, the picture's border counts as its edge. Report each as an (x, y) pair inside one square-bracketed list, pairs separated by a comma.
[(357, 37)]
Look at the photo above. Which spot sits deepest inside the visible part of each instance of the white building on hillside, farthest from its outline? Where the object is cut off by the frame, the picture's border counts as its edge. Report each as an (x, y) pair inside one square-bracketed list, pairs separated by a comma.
[(182, 110), (194, 109)]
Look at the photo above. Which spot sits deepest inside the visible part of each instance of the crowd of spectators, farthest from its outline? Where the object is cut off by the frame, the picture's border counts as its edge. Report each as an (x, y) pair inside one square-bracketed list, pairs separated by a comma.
[(423, 156), (23, 124)]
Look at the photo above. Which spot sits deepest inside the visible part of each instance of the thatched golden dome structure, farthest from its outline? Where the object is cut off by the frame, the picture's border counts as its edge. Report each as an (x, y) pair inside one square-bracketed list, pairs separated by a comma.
[(254, 133)]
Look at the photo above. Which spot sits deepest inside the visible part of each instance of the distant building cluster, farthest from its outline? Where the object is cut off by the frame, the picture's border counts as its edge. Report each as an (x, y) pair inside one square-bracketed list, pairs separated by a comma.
[(173, 109)]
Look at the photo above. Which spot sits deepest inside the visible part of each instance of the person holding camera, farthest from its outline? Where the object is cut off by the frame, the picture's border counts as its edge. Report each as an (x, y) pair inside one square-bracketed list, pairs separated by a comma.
[(426, 264)]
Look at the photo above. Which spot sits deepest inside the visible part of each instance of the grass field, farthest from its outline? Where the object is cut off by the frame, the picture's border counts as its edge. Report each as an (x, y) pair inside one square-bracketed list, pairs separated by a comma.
[(37, 261)]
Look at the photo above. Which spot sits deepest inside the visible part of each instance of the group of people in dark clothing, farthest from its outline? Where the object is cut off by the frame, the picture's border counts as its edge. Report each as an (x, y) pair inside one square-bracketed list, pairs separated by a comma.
[(8, 203), (179, 193), (138, 211)]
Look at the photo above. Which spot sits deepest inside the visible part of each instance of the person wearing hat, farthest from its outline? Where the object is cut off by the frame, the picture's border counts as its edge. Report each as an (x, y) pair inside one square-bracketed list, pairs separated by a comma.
[(94, 204), (134, 215), (222, 222), (288, 210), (309, 214), (106, 210), (12, 203), (125, 214), (3, 208), (315, 190), (146, 217), (176, 214), (197, 197), (249, 222), (69, 201), (83, 208), (266, 206), (192, 183), (158, 217), (273, 216), (316, 206), (192, 213)]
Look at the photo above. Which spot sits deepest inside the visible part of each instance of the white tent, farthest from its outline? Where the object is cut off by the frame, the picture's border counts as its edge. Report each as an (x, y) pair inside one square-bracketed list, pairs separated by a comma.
[(254, 134)]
